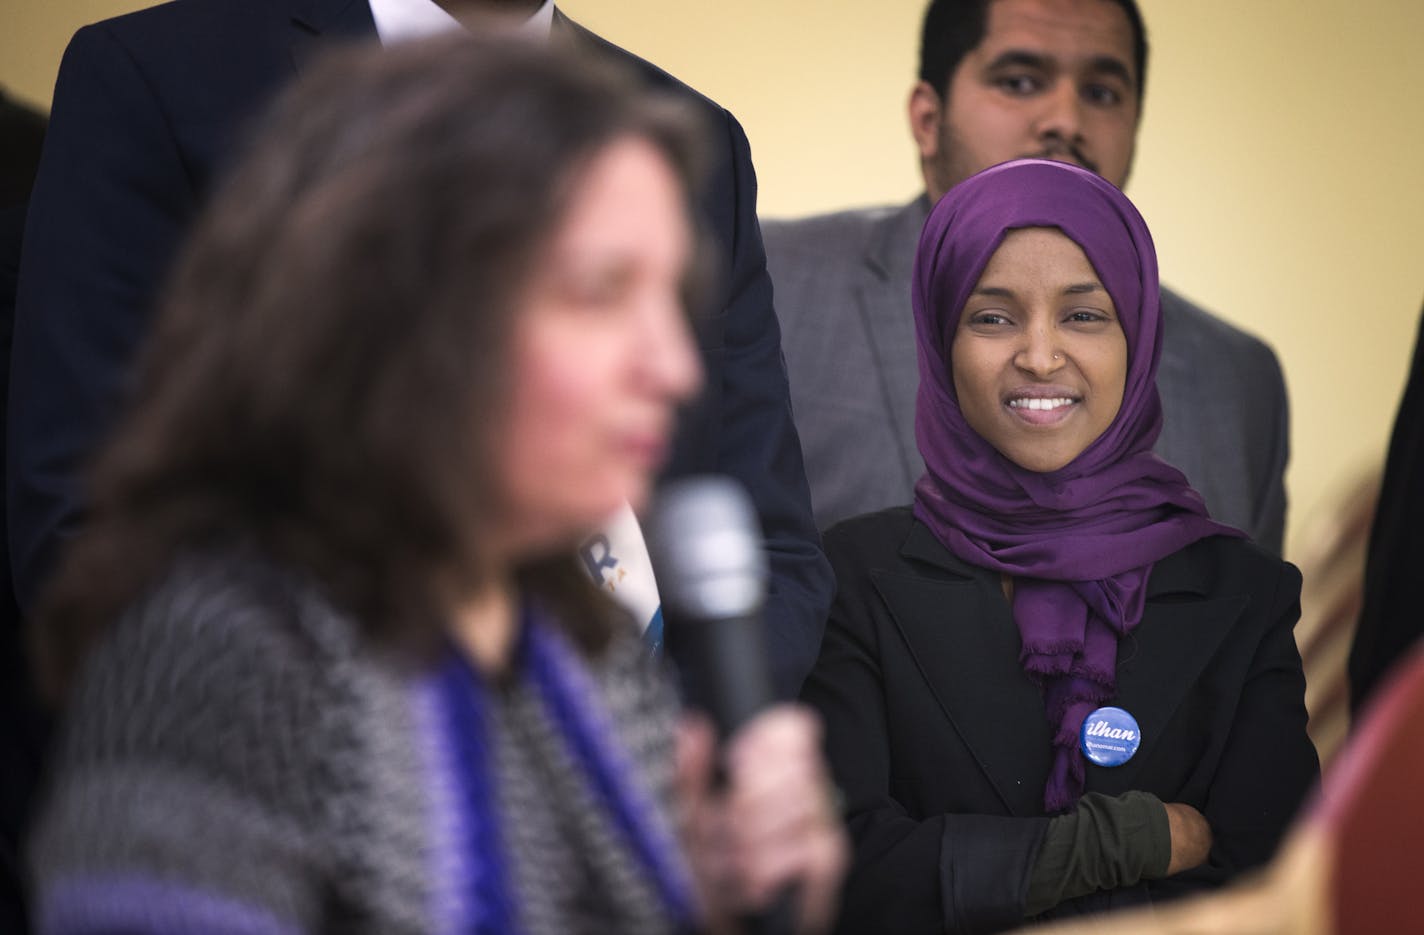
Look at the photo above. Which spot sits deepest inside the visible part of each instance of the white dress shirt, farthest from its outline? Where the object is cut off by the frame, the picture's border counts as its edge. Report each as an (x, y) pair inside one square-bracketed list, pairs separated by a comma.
[(401, 20)]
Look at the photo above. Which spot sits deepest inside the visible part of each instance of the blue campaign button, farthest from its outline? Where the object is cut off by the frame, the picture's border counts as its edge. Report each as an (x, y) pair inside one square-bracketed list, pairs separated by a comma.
[(1110, 736)]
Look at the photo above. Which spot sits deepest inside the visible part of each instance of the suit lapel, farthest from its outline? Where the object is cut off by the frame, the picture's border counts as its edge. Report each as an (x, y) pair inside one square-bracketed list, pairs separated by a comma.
[(1158, 664), (966, 648), (316, 21), (884, 304)]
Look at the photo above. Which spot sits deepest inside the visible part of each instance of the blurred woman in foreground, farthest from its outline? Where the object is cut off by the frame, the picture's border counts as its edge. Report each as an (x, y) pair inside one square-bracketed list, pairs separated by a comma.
[(329, 662), (1054, 685)]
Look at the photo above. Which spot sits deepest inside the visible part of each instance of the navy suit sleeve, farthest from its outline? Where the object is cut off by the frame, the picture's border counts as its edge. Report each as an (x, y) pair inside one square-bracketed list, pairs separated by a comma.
[(110, 200), (756, 441)]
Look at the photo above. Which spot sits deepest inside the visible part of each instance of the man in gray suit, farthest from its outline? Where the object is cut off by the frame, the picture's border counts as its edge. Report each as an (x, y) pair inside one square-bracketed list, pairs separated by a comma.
[(1001, 79)]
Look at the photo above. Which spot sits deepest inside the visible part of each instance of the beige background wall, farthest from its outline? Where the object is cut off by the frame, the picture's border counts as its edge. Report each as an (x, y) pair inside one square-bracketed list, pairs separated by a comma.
[(1279, 162)]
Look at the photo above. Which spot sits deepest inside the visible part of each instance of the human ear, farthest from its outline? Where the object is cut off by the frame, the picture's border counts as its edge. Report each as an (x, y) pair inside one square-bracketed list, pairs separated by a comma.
[(926, 112)]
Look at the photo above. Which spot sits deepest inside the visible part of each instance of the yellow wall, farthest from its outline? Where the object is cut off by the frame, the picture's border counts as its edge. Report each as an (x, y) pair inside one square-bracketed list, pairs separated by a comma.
[(1279, 162)]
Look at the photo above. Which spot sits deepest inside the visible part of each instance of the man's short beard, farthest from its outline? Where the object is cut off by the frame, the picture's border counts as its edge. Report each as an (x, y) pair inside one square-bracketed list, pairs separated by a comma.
[(945, 170)]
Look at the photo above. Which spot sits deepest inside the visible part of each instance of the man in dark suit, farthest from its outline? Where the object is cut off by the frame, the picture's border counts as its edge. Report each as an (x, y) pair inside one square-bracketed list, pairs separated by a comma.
[(1002, 79), (22, 726), (148, 110), (1391, 622)]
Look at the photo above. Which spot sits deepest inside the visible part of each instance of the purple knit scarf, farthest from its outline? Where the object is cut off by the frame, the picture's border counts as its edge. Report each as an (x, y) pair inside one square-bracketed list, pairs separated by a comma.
[(1080, 541)]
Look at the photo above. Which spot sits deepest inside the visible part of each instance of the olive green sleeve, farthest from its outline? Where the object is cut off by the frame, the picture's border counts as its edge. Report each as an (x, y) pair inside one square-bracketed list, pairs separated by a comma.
[(1105, 843)]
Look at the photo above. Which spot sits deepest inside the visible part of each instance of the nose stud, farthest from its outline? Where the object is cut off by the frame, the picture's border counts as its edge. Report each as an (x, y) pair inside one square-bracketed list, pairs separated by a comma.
[(1057, 356)]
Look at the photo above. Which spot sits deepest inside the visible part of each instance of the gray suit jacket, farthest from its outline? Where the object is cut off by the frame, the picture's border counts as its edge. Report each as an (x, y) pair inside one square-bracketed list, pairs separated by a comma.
[(843, 296)]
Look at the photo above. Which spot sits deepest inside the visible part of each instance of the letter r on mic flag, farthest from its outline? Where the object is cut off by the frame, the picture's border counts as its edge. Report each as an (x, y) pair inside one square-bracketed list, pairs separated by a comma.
[(617, 561)]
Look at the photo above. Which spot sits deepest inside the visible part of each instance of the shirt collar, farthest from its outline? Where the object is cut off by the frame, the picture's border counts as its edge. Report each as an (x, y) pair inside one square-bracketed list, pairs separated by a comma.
[(404, 20)]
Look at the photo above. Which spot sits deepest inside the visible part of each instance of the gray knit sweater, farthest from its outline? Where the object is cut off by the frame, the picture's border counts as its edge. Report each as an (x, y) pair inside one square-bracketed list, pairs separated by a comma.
[(237, 759)]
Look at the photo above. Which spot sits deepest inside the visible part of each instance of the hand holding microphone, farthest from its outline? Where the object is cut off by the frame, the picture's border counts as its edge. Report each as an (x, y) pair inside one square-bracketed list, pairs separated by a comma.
[(766, 842)]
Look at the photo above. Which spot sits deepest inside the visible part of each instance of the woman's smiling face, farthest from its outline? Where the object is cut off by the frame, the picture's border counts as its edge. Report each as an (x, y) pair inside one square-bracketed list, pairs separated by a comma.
[(1039, 356)]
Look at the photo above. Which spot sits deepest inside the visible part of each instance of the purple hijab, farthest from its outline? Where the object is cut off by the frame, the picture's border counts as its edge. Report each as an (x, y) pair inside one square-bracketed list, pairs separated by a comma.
[(1080, 541)]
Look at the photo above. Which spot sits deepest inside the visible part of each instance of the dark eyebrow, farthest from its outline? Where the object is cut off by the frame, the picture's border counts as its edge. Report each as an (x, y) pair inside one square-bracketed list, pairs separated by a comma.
[(1019, 57), (1082, 288), (1113, 67), (1099, 64), (994, 291)]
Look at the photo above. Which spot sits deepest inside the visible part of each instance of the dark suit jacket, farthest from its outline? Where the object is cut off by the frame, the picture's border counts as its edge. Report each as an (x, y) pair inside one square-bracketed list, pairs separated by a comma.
[(22, 727), (941, 744), (148, 110), (1390, 619)]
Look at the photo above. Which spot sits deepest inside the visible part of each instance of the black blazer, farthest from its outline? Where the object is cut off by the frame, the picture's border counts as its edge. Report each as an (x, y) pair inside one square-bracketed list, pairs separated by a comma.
[(148, 110), (1390, 623), (941, 744)]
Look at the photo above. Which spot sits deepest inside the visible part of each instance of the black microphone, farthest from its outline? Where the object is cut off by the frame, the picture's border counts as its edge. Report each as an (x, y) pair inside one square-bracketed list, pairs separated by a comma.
[(711, 573), (711, 569)]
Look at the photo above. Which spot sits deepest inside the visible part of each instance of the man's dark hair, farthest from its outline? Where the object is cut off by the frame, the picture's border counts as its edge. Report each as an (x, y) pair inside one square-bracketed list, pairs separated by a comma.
[(327, 378), (954, 28)]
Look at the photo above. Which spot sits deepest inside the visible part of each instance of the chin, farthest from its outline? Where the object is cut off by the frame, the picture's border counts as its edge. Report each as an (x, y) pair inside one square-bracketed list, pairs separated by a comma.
[(603, 510), (1037, 461), (633, 487), (639, 497)]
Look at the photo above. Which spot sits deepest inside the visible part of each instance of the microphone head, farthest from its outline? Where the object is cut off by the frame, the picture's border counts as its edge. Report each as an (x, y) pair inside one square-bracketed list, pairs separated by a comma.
[(707, 548)]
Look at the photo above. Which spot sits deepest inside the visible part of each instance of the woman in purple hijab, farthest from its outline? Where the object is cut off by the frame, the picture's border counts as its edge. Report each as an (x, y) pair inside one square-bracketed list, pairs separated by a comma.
[(1054, 684)]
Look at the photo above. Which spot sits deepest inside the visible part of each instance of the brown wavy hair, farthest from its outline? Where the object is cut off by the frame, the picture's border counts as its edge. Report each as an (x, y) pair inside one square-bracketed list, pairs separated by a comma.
[(326, 377)]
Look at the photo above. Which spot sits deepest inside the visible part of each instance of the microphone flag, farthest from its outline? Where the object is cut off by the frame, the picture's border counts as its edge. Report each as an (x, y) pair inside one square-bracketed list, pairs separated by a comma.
[(617, 560)]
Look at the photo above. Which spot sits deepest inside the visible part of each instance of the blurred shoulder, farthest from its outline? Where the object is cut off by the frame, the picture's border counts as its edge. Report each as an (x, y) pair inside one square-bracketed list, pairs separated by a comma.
[(870, 540), (218, 622), (1191, 328), (652, 76), (1229, 564), (177, 27), (814, 234)]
